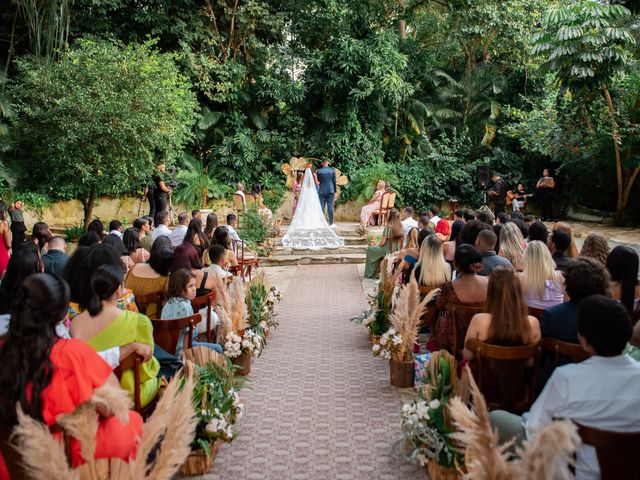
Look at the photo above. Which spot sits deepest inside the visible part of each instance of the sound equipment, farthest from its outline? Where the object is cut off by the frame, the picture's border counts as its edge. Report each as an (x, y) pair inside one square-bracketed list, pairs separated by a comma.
[(483, 175)]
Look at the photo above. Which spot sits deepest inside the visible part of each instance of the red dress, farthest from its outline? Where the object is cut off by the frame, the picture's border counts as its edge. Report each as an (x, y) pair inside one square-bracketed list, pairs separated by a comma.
[(77, 372)]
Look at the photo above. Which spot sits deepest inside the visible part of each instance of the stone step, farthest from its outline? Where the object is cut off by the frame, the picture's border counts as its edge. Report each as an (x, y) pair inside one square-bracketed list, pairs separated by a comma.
[(283, 260), (348, 240), (347, 249)]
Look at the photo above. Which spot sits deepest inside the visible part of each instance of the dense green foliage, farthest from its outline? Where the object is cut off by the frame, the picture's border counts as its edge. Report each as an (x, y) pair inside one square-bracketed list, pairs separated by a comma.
[(416, 92), (97, 121)]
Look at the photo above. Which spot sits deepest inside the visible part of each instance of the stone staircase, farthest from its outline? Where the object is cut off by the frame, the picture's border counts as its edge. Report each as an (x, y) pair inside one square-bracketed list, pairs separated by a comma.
[(354, 251)]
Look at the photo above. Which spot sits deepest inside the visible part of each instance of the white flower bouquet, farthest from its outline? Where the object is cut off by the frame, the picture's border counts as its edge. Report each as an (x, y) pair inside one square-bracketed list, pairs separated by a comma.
[(389, 345)]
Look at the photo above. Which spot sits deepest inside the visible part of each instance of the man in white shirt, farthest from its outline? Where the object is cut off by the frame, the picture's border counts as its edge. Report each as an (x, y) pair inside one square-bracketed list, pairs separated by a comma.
[(177, 236), (232, 221), (602, 392), (161, 221), (407, 223), (433, 217), (115, 228)]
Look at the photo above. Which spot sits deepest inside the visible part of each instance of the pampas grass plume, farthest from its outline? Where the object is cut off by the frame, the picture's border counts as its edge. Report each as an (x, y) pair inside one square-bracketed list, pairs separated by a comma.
[(43, 456)]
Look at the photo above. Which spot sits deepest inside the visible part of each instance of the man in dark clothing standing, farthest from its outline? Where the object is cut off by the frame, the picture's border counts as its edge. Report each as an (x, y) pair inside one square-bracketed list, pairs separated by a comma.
[(499, 193), (326, 176), (160, 190)]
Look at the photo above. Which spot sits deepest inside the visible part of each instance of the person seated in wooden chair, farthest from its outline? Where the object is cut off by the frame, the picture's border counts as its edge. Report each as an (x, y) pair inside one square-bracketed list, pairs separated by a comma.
[(182, 289), (601, 392)]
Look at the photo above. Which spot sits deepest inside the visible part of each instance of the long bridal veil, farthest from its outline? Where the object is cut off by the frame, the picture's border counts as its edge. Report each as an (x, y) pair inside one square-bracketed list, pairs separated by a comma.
[(309, 227)]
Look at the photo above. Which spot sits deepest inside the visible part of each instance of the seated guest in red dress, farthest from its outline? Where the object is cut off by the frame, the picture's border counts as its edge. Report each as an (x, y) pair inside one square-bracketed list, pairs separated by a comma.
[(49, 376)]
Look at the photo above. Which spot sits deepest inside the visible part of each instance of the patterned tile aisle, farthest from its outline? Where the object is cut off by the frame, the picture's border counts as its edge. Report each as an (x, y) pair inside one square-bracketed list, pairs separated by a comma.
[(318, 405)]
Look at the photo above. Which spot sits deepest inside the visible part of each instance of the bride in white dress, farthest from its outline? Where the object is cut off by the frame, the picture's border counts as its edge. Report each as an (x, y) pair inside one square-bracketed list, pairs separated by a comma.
[(309, 228)]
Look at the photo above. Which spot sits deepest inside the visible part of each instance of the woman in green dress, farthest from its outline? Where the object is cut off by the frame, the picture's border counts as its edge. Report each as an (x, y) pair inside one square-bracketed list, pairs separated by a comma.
[(103, 325), (390, 242)]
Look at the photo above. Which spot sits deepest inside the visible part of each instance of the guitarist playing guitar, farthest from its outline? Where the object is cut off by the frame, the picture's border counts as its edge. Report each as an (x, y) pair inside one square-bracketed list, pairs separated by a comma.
[(518, 198)]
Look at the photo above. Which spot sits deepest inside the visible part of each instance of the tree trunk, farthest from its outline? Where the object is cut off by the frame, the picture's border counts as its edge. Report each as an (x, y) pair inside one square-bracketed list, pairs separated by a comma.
[(87, 204), (615, 135), (631, 180), (403, 22)]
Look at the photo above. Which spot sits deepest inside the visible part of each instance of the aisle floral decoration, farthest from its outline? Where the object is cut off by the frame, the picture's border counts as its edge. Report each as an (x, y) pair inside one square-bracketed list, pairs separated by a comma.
[(547, 455), (426, 426), (397, 342), (216, 401), (250, 343), (376, 320)]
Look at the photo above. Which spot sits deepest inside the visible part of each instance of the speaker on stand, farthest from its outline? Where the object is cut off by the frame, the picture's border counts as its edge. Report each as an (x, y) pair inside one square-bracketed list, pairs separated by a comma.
[(483, 175)]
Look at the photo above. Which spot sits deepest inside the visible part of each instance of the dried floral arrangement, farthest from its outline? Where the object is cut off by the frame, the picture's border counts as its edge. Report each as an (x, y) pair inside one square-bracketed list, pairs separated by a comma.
[(216, 401), (397, 342), (376, 320), (548, 455), (168, 433), (426, 427)]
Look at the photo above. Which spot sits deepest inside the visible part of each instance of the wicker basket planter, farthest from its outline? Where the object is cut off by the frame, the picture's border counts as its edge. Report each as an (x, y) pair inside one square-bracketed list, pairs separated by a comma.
[(244, 364), (375, 339), (198, 463), (438, 472), (401, 373)]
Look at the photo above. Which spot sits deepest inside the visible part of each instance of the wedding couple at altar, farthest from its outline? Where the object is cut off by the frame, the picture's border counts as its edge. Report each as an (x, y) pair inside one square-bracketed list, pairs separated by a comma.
[(309, 228)]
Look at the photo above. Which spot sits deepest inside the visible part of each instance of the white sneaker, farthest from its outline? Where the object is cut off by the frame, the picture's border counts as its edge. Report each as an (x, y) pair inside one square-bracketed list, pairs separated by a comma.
[(333, 226)]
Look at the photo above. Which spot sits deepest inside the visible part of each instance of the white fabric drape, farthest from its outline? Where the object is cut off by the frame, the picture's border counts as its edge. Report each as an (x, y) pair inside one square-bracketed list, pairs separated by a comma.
[(309, 228)]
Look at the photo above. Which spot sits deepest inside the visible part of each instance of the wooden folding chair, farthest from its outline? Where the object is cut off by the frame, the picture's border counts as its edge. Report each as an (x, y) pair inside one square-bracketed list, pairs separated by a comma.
[(251, 200), (501, 374), (383, 209), (617, 452), (134, 362), (210, 300), (145, 301), (558, 348), (166, 333), (461, 315), (246, 264), (238, 206)]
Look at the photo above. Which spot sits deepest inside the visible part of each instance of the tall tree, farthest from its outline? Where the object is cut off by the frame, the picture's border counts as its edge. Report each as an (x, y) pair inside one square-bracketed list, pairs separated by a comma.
[(586, 45), (98, 120)]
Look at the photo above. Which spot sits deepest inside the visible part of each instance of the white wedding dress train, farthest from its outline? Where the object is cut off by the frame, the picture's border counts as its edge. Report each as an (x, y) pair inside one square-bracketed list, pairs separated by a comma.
[(309, 228)]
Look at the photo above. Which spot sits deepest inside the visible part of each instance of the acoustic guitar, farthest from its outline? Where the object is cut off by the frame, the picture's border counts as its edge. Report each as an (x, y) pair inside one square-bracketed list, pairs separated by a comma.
[(511, 196)]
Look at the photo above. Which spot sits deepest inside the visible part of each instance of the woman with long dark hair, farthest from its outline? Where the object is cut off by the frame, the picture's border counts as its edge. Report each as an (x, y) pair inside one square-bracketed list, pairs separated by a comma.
[(137, 254), (221, 237), (48, 376), (103, 325), (186, 256), (622, 264), (21, 264), (196, 237), (211, 225), (468, 289), (506, 322)]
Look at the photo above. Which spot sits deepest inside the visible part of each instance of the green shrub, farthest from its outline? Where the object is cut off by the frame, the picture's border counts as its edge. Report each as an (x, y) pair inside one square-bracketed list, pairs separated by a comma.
[(73, 232), (253, 227)]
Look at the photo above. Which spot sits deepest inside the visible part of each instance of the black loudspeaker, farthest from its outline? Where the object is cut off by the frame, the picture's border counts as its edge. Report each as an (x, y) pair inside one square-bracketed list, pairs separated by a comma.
[(483, 175)]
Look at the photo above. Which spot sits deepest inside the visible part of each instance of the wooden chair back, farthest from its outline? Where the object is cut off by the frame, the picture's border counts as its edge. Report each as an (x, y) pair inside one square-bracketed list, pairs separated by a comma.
[(558, 348), (617, 452), (392, 200), (246, 264), (238, 202), (209, 300), (383, 208), (166, 333), (461, 316), (501, 374), (429, 316), (251, 199), (144, 301), (535, 312), (132, 362)]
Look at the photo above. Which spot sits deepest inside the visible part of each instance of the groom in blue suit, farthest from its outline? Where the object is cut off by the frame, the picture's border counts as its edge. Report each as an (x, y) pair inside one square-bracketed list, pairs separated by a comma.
[(326, 176)]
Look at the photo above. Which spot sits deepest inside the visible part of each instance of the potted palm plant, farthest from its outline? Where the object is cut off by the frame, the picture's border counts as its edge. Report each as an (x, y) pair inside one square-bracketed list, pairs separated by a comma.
[(197, 184)]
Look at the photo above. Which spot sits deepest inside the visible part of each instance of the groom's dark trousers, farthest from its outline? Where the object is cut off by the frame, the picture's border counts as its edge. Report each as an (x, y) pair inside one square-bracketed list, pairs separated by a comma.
[(327, 199), (327, 189)]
